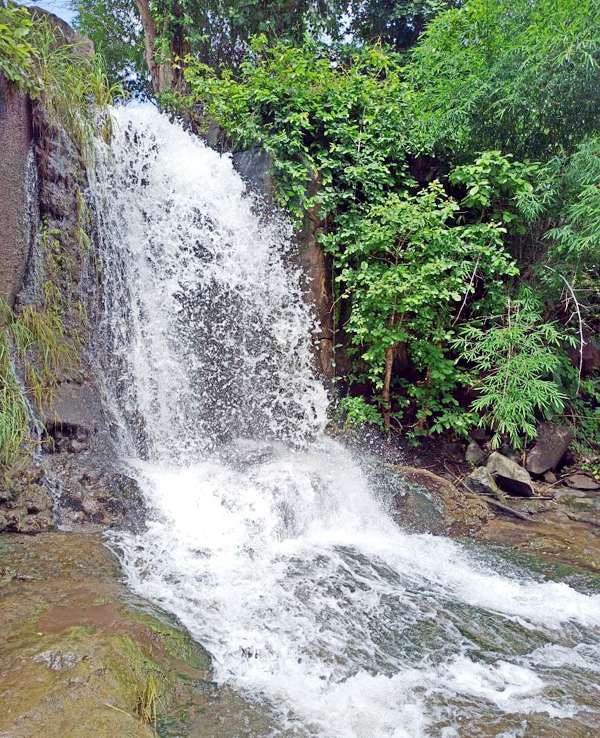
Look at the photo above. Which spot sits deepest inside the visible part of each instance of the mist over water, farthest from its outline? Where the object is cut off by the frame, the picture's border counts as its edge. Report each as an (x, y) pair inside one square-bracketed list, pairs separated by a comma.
[(270, 541)]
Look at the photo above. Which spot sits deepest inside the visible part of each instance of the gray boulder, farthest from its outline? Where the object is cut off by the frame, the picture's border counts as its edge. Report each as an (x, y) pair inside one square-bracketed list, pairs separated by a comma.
[(582, 481), (474, 454), (509, 475), (553, 441), (481, 481)]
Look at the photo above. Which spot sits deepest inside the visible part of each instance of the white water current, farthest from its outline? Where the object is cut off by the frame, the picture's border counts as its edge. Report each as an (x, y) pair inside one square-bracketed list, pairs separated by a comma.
[(270, 541)]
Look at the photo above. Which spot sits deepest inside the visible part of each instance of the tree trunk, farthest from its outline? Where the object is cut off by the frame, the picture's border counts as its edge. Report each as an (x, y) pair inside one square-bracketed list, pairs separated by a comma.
[(164, 75), (387, 383)]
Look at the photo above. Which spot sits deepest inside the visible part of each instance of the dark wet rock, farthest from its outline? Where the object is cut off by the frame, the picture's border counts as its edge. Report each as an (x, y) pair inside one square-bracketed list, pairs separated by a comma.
[(482, 482), (509, 475), (582, 481), (479, 435), (553, 440), (474, 454), (429, 503), (254, 165), (25, 502), (90, 490), (510, 453)]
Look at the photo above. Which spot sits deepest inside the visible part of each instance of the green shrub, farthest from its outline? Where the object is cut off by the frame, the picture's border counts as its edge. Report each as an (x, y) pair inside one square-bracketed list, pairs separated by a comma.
[(36, 338), (516, 359), (16, 51), (358, 413)]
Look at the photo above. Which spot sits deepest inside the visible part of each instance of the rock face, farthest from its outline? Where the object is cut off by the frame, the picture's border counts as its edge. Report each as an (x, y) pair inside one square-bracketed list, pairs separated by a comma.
[(430, 504), (254, 166), (15, 143), (26, 504), (509, 475), (50, 245), (553, 441)]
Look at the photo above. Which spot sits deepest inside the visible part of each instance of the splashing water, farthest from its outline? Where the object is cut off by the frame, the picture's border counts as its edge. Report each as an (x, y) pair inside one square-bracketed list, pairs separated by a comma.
[(266, 538)]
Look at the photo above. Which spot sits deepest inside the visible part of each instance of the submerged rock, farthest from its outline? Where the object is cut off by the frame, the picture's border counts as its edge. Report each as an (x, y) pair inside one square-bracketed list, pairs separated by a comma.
[(509, 475), (553, 441)]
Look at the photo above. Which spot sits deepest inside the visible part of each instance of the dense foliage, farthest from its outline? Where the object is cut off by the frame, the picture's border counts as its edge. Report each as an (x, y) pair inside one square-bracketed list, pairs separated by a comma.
[(514, 75), (430, 275)]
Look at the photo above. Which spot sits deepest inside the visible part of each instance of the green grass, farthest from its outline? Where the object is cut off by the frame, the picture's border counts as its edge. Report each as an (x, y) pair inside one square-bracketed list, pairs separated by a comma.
[(38, 340), (74, 89)]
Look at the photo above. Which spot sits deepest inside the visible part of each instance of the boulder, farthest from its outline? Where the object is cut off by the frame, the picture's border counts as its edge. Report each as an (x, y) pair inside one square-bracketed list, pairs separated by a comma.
[(427, 503), (553, 441), (509, 475), (582, 481), (474, 454), (481, 481), (550, 478)]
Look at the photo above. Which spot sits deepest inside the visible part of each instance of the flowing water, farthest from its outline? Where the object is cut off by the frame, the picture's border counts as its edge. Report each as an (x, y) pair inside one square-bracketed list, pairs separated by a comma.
[(270, 541)]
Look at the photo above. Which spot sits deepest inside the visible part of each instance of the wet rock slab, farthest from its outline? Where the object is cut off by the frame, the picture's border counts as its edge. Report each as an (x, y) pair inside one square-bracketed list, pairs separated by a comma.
[(427, 503), (77, 652)]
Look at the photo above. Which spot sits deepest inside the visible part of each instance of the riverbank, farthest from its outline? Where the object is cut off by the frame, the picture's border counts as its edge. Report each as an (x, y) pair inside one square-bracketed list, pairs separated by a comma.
[(80, 655)]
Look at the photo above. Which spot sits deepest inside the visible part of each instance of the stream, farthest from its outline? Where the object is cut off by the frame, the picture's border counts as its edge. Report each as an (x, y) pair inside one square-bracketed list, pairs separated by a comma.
[(272, 543)]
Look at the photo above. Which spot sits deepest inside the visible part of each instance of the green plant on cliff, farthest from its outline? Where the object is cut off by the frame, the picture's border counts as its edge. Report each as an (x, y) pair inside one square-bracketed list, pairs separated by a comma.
[(16, 51), (75, 90), (37, 339), (338, 118)]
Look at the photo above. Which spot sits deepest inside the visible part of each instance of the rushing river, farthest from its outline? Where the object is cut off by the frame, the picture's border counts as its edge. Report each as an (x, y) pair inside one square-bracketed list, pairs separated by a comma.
[(268, 540)]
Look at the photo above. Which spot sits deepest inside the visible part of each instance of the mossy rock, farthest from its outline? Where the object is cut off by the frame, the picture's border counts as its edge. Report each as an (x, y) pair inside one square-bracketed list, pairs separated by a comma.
[(82, 656)]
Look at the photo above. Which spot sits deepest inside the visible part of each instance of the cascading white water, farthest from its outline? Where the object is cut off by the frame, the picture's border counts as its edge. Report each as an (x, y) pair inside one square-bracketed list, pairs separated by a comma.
[(266, 538)]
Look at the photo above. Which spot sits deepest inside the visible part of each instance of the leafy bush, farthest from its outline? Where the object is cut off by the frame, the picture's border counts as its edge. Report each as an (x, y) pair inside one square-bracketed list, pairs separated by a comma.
[(358, 413), (515, 359), (338, 117), (407, 268), (16, 51)]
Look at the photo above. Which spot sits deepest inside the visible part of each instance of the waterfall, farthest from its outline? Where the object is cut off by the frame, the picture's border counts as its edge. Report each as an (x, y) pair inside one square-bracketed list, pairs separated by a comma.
[(270, 541)]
